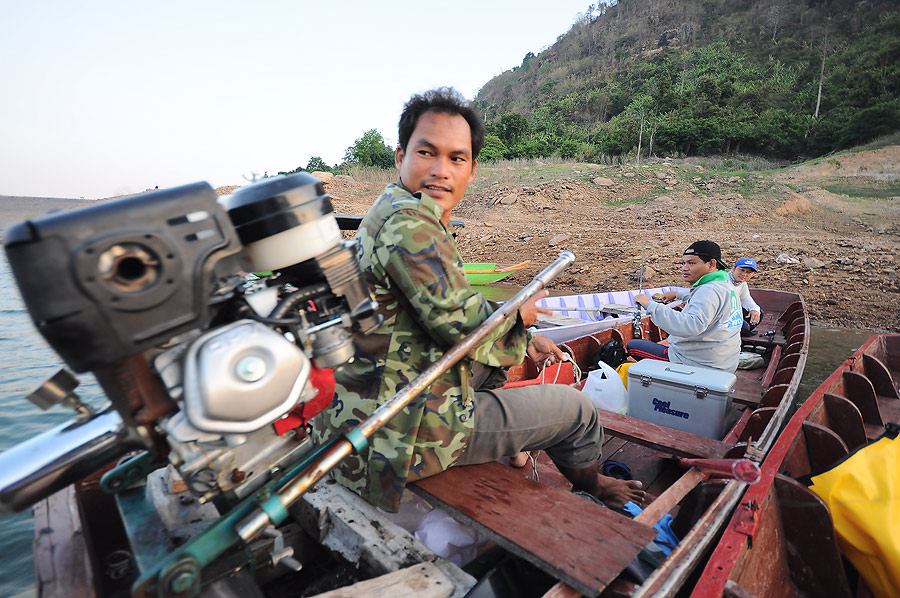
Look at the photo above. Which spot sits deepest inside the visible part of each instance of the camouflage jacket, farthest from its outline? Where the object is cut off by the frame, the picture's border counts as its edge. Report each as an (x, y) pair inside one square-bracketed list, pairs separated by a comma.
[(415, 272)]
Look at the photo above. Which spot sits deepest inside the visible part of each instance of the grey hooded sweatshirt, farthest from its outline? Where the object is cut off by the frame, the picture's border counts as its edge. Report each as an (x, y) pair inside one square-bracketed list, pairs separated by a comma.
[(707, 331)]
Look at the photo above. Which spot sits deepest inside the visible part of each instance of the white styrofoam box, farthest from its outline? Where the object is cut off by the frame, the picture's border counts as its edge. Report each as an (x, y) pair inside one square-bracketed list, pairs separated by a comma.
[(685, 397)]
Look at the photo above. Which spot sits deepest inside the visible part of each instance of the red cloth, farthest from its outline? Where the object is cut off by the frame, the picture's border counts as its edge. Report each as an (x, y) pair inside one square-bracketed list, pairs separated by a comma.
[(323, 381)]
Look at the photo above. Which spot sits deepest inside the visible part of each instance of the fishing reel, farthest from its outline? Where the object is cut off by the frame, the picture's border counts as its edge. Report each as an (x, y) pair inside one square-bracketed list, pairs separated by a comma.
[(206, 365)]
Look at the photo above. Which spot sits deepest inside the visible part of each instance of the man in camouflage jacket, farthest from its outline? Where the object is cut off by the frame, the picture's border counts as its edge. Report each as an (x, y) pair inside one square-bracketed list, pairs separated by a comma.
[(416, 274)]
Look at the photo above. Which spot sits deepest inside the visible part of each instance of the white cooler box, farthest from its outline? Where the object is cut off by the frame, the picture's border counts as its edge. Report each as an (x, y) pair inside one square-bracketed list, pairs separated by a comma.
[(685, 397)]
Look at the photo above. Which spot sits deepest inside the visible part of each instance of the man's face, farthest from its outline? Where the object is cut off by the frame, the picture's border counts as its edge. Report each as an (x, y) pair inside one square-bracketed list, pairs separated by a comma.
[(741, 274), (693, 268), (438, 159)]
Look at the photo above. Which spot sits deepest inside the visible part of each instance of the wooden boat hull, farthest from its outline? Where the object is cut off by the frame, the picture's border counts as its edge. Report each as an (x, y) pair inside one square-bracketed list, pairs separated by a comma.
[(548, 531), (781, 541)]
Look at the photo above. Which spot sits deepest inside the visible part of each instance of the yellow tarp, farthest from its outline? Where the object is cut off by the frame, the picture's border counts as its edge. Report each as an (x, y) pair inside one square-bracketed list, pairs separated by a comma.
[(863, 494), (622, 370)]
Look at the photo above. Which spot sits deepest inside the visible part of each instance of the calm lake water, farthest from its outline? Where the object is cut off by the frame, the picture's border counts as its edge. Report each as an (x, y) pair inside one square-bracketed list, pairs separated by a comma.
[(26, 361)]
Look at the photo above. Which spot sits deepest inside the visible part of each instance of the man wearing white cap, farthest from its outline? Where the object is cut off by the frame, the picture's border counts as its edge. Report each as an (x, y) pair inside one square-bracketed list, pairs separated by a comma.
[(745, 269)]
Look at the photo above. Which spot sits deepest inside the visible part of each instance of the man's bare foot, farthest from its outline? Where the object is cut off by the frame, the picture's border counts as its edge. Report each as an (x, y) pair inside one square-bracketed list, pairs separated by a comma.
[(615, 493), (519, 459)]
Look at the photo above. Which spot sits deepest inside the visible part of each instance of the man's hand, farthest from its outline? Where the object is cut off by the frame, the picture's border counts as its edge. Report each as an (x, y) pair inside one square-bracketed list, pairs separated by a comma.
[(543, 350), (529, 311), (669, 296), (754, 317), (642, 300)]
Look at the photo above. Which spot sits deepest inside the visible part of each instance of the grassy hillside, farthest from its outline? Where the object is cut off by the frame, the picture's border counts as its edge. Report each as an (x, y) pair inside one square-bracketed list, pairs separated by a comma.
[(699, 77)]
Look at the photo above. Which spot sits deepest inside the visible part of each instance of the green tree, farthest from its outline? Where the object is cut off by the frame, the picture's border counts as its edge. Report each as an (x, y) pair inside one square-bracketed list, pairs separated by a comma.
[(370, 150), (494, 149), (513, 128), (568, 149), (317, 164)]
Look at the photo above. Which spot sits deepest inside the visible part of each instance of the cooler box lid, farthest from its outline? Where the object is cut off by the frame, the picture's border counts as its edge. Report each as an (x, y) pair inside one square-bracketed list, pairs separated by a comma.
[(649, 371)]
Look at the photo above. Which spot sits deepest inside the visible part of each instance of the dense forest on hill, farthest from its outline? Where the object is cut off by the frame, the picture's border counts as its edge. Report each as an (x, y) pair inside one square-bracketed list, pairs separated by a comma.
[(777, 78)]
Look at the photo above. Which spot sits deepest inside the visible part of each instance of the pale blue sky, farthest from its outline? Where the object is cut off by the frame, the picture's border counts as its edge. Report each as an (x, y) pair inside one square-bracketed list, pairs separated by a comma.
[(106, 98)]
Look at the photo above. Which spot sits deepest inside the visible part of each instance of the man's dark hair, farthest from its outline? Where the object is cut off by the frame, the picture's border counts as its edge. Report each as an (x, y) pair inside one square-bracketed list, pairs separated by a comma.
[(443, 100)]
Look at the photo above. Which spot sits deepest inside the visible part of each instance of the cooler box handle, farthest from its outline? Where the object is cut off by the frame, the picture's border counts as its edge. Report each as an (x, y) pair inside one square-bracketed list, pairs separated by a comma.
[(675, 371)]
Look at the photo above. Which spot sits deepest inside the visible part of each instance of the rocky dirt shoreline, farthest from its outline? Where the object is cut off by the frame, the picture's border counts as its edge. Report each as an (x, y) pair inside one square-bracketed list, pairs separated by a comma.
[(842, 253), (828, 229)]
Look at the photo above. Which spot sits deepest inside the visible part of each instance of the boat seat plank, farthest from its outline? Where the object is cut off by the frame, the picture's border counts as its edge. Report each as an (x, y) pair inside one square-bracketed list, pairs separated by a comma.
[(676, 442), (844, 418), (673, 495), (750, 399), (773, 396), (757, 423), (880, 376), (547, 472), (809, 531), (859, 389), (764, 571), (889, 349), (569, 537), (773, 367), (873, 431), (824, 446), (424, 580), (889, 408), (796, 460), (784, 375), (747, 388)]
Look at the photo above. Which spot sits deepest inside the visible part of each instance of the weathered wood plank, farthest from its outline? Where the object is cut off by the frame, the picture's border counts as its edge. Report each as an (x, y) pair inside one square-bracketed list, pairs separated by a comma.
[(61, 563), (561, 590), (573, 539), (763, 572), (673, 495), (676, 442), (419, 581), (348, 525)]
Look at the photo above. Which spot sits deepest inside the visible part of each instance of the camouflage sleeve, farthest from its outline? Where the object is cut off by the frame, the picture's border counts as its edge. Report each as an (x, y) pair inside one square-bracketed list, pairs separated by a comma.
[(422, 261)]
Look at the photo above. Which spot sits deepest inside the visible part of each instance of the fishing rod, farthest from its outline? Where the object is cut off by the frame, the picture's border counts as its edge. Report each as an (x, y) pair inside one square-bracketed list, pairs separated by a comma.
[(180, 573), (636, 318)]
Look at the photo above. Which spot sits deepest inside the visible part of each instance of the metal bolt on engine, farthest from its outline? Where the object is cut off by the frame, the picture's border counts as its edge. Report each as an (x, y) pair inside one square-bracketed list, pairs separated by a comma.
[(251, 368)]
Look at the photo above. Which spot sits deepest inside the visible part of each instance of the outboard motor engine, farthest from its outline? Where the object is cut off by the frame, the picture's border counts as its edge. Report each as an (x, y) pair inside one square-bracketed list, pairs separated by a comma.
[(206, 366)]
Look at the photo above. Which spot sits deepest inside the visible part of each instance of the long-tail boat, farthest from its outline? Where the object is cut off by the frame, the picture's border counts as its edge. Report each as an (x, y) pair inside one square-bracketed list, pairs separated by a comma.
[(564, 544), (781, 540)]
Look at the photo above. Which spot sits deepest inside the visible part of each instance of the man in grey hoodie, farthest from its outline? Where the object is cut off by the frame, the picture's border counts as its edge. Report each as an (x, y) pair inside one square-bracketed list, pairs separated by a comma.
[(706, 332)]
